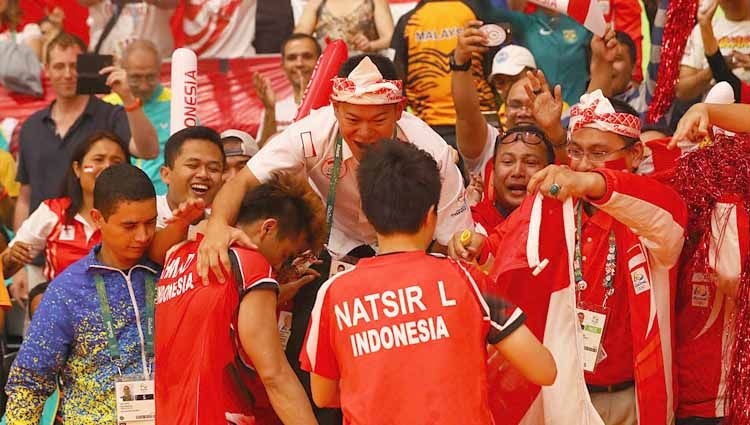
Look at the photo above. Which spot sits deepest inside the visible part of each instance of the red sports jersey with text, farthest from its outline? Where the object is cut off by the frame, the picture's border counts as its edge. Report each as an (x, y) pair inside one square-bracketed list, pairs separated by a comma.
[(405, 334), (202, 374)]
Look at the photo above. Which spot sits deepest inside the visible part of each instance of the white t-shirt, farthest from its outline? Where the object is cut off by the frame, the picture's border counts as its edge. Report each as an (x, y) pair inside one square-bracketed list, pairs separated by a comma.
[(211, 35), (137, 21), (29, 32), (307, 148), (286, 110), (479, 164), (731, 35), (163, 212)]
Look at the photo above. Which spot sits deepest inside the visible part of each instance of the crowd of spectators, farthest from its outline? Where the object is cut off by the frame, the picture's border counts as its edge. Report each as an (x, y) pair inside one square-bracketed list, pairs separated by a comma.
[(234, 277)]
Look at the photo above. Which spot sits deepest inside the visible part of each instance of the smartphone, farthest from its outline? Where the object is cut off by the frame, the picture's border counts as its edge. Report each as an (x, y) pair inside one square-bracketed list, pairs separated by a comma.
[(88, 67)]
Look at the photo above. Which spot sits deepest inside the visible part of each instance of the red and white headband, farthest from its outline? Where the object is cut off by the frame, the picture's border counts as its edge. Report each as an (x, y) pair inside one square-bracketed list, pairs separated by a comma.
[(595, 111), (365, 85)]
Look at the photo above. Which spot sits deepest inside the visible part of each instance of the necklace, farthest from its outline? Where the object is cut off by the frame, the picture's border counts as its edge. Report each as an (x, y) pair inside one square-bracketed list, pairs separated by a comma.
[(609, 268)]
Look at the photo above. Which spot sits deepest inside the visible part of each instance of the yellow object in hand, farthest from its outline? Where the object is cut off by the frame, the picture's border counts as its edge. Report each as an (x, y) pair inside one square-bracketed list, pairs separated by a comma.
[(465, 237)]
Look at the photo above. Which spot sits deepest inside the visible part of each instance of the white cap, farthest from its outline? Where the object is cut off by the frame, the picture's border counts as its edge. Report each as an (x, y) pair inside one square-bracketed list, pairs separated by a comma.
[(511, 60), (721, 93), (249, 146)]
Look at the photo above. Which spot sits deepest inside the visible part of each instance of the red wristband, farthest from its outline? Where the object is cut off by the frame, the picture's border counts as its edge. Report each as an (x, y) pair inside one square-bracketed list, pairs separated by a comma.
[(137, 104)]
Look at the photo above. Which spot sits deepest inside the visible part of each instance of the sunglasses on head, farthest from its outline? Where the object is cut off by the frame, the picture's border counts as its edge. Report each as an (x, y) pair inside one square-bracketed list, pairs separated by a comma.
[(528, 136)]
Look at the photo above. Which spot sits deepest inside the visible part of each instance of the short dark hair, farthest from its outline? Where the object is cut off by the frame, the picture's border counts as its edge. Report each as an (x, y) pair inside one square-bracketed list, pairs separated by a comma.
[(384, 65), (398, 183), (624, 38), (624, 108), (550, 150), (175, 142), (300, 36), (121, 183), (290, 200), (72, 185), (64, 40)]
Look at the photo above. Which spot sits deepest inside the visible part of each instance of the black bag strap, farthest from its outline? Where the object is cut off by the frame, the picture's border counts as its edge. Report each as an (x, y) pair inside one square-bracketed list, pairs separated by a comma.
[(116, 12)]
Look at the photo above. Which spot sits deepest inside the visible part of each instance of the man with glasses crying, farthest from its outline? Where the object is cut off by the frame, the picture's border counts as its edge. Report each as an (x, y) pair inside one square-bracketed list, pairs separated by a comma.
[(519, 153)]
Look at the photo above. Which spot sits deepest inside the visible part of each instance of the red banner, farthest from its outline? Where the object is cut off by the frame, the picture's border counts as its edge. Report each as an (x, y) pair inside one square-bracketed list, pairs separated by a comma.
[(226, 94)]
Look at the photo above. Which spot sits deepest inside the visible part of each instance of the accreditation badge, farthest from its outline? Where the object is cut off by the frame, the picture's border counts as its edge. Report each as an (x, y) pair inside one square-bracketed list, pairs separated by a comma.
[(134, 399), (592, 319), (341, 265), (285, 327)]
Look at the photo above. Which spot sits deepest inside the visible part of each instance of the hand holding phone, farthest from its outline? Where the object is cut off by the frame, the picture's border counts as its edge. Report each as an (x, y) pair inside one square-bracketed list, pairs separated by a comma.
[(90, 80)]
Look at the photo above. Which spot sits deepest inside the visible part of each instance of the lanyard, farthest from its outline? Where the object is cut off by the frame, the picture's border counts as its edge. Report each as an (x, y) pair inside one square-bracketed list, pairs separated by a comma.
[(609, 268), (337, 157), (114, 346)]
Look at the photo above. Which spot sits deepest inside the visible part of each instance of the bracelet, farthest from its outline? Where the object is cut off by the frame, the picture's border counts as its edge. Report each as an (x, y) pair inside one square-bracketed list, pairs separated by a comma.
[(137, 104)]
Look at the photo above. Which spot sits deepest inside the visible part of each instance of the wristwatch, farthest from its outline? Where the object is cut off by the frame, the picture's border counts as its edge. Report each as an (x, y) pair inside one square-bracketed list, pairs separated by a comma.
[(456, 67)]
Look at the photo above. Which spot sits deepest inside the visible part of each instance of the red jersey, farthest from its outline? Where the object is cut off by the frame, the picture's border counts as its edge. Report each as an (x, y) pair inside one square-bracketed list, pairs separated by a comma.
[(406, 334), (203, 376), (703, 314), (63, 243)]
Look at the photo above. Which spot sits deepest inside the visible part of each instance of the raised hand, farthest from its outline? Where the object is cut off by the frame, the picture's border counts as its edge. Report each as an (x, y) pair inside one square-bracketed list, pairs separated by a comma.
[(264, 90), (546, 106), (470, 41)]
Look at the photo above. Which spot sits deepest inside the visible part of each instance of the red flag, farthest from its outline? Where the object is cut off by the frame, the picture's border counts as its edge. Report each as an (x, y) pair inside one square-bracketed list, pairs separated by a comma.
[(546, 228), (586, 12)]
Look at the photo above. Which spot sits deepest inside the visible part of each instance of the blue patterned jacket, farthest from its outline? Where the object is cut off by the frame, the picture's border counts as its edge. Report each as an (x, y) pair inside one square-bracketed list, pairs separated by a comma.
[(67, 339)]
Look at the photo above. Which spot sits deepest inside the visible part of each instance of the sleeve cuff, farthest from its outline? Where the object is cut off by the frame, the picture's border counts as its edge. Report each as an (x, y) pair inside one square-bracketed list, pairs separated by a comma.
[(610, 181)]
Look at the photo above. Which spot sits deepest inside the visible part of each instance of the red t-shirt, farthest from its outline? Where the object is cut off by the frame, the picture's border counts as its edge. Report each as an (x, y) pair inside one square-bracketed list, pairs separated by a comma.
[(617, 364), (202, 374), (405, 334)]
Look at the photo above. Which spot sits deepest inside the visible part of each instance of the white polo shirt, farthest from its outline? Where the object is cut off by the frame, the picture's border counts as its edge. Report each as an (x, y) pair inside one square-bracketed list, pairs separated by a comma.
[(307, 148)]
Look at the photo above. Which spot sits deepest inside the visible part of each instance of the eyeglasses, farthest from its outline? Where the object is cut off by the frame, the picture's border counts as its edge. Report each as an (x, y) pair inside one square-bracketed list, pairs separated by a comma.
[(528, 137), (136, 79), (596, 156)]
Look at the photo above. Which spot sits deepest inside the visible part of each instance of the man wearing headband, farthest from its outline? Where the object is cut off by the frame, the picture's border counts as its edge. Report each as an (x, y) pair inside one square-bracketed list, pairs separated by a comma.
[(629, 236), (367, 106)]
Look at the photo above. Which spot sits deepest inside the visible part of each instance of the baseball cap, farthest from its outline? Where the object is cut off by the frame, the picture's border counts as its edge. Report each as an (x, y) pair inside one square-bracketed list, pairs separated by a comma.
[(512, 59), (249, 146)]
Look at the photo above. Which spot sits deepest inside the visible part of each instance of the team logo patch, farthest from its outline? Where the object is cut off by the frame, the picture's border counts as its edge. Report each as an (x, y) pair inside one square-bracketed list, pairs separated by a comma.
[(570, 36), (640, 280), (701, 277), (67, 233), (700, 296), (328, 168)]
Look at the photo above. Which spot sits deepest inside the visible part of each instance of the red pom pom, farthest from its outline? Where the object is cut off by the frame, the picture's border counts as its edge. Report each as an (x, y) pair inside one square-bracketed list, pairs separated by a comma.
[(702, 177), (680, 22)]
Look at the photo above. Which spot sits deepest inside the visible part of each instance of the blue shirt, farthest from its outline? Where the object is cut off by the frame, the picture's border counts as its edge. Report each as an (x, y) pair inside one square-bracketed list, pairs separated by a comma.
[(67, 338), (559, 44)]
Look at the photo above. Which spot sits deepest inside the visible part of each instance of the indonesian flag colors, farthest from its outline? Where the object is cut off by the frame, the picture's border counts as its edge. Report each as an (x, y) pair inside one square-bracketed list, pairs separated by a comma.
[(587, 12), (548, 295), (540, 280)]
